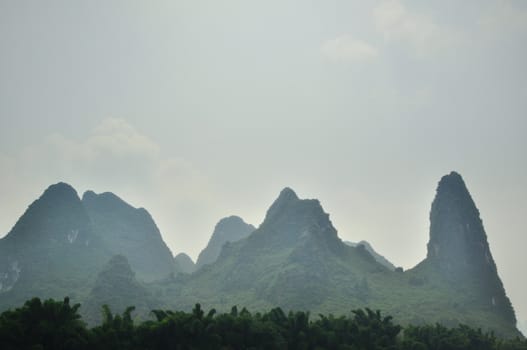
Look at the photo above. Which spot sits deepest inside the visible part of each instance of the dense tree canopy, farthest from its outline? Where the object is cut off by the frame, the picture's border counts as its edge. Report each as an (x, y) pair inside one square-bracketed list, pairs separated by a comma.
[(57, 325)]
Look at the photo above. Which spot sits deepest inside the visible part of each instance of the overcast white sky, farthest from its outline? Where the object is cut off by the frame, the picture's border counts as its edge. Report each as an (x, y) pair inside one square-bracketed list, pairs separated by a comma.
[(197, 110)]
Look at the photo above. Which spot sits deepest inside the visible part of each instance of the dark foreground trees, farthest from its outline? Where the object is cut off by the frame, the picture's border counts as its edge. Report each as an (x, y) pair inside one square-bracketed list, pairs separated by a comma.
[(57, 325), (43, 325)]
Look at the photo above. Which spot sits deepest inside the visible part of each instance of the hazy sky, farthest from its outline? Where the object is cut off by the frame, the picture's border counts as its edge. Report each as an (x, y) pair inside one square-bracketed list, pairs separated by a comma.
[(197, 110)]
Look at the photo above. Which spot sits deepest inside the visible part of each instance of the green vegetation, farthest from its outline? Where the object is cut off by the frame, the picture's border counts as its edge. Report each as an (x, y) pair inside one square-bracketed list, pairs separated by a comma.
[(116, 286), (294, 260), (131, 232), (61, 244), (57, 325)]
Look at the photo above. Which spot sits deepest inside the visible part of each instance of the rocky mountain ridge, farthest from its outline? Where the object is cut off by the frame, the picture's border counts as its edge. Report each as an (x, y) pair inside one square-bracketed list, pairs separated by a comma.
[(60, 244), (294, 260), (131, 232)]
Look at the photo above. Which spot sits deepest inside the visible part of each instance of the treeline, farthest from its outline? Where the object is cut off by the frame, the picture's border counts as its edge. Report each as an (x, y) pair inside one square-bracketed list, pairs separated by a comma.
[(57, 325)]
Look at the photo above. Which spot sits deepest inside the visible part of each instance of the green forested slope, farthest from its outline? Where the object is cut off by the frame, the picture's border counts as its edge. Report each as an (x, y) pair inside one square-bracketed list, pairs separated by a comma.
[(293, 260)]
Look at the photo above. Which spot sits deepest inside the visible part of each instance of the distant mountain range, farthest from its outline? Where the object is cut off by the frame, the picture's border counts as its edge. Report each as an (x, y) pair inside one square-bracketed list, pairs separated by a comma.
[(100, 250), (61, 243), (227, 230)]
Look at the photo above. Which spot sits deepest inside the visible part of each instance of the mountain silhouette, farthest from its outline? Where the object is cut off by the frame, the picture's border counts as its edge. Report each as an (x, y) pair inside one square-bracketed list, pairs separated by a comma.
[(102, 250), (229, 229), (131, 232)]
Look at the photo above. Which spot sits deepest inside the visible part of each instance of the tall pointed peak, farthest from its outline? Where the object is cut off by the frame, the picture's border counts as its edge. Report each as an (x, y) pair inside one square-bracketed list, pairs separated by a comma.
[(286, 197), (455, 224), (453, 175), (291, 219), (287, 194), (458, 244), (57, 214), (453, 193), (452, 182)]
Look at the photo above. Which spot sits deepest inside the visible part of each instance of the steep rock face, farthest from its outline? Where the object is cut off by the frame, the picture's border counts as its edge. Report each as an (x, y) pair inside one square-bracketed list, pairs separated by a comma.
[(230, 229), (51, 243), (459, 250), (184, 263), (131, 232), (116, 287), (301, 233), (290, 221), (294, 260), (458, 242)]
